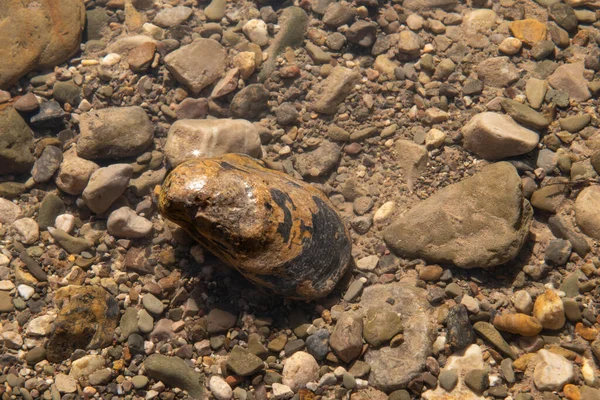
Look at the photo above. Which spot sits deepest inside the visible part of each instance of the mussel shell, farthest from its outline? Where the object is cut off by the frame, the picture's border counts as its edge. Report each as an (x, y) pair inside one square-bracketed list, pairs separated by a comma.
[(279, 232)]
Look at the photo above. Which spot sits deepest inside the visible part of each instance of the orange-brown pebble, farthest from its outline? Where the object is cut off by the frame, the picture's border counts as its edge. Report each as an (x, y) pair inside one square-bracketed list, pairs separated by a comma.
[(520, 324), (571, 392), (549, 310), (233, 380), (588, 333), (522, 362), (528, 30), (430, 272)]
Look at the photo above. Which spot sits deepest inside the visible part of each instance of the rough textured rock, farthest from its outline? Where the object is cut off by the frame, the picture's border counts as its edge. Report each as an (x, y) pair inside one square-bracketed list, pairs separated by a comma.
[(300, 369), (87, 318), (114, 132), (496, 136), (497, 71), (318, 162), (346, 338), (552, 372), (334, 90), (482, 221), (226, 206), (393, 368), (250, 102), (193, 68), (49, 33), (16, 143), (193, 138)]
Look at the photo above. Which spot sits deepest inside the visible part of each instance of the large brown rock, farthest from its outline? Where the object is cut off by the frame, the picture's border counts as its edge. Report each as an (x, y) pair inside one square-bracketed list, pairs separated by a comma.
[(87, 319), (280, 233), (482, 221), (37, 34)]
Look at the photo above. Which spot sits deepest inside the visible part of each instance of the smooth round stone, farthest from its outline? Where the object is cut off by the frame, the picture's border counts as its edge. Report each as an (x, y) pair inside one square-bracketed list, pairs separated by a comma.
[(219, 388), (152, 304), (448, 379), (66, 222), (139, 381), (510, 46), (28, 230)]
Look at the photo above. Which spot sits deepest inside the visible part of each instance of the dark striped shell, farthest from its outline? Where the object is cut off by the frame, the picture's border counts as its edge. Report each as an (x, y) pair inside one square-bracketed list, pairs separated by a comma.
[(280, 233)]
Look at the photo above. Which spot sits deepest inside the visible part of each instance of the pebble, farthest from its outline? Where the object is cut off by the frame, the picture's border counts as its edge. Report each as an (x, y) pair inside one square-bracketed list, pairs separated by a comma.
[(25, 291), (552, 372), (65, 222), (495, 136), (105, 186), (300, 369), (125, 223), (28, 229), (152, 304), (219, 388), (256, 30), (549, 310), (65, 384)]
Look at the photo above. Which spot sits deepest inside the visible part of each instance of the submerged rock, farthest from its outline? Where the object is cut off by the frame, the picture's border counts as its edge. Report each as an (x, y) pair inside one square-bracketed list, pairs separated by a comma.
[(278, 232), (394, 367), (87, 319), (482, 221)]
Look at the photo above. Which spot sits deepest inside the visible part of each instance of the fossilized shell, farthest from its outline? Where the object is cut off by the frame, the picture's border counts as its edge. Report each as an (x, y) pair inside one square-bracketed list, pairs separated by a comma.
[(278, 232), (520, 324)]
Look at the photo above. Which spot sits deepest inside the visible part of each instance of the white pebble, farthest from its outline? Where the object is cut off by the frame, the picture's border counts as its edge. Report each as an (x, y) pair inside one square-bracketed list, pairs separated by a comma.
[(66, 222), (384, 212), (25, 291), (361, 384), (111, 59), (256, 30), (219, 388)]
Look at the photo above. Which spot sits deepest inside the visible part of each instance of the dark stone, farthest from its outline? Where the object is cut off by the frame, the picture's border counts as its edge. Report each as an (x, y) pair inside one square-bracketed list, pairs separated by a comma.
[(135, 343), (33, 267), (16, 143), (250, 102), (560, 229), (557, 252), (564, 16), (220, 320), (362, 33), (317, 344), (286, 114), (52, 206), (50, 114), (460, 330), (45, 166), (66, 92)]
